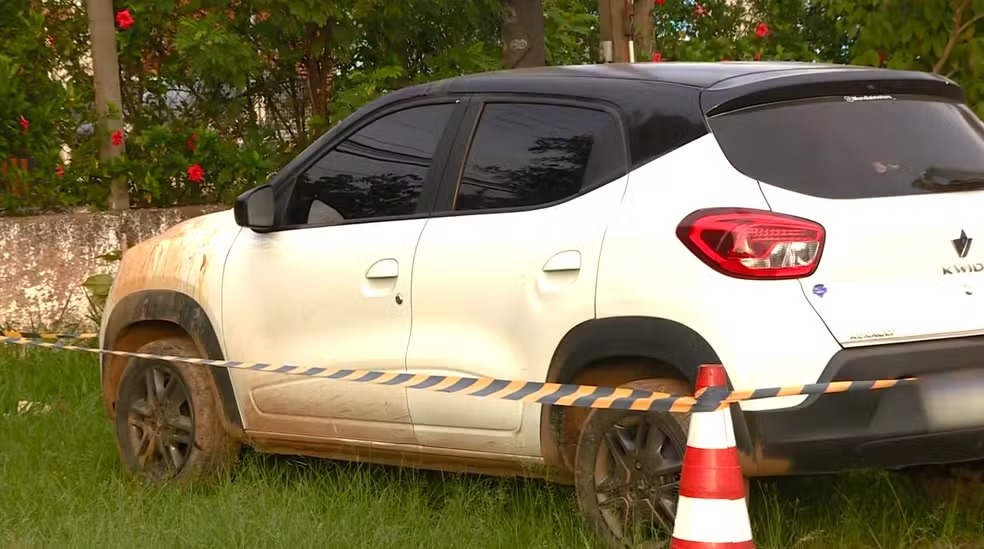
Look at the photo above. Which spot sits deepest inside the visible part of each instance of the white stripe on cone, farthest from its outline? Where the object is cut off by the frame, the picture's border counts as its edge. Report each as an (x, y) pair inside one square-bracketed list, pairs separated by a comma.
[(712, 520), (711, 430)]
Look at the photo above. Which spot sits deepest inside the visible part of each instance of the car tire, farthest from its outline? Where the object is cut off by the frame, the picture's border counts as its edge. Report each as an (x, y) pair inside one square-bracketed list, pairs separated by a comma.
[(595, 468), (593, 445), (168, 422)]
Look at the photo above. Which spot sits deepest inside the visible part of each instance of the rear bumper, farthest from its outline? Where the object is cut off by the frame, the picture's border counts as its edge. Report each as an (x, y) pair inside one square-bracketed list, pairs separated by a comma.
[(890, 428)]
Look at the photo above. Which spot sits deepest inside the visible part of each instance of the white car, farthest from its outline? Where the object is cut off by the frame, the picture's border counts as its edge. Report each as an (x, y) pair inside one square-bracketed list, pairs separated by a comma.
[(611, 225)]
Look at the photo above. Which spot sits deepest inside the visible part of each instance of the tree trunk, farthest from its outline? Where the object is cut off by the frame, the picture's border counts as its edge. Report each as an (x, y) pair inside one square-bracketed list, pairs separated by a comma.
[(319, 72), (645, 25), (613, 27), (109, 99), (522, 34)]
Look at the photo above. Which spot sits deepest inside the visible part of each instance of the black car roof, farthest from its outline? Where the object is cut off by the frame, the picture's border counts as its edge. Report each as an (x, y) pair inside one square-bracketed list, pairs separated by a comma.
[(700, 75), (715, 83), (695, 74)]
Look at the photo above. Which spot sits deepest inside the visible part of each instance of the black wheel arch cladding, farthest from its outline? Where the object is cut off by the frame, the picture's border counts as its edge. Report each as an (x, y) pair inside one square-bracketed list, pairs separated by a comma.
[(652, 338), (183, 311)]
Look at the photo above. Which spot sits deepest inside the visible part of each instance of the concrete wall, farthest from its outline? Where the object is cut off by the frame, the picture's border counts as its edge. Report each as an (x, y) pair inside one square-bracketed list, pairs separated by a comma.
[(45, 259)]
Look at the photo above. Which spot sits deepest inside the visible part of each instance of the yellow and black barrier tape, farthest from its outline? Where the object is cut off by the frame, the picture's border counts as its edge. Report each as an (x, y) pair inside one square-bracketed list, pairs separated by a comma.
[(46, 335), (557, 394)]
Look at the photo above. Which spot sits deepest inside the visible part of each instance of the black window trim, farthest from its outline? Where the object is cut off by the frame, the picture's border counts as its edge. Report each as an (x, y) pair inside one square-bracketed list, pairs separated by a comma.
[(431, 185), (454, 168)]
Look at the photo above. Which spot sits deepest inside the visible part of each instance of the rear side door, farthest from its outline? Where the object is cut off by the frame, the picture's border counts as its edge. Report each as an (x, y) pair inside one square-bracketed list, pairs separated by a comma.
[(332, 287), (507, 264), (895, 181)]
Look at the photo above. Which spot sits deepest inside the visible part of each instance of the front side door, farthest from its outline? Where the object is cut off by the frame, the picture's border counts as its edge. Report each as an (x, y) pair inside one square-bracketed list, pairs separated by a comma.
[(510, 265), (333, 288)]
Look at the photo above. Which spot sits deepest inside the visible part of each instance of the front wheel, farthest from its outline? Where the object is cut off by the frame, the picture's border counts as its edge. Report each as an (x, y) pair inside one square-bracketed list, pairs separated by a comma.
[(167, 418), (627, 471)]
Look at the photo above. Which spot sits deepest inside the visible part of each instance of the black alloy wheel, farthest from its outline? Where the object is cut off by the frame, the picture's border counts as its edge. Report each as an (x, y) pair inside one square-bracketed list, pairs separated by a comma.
[(628, 473), (156, 413)]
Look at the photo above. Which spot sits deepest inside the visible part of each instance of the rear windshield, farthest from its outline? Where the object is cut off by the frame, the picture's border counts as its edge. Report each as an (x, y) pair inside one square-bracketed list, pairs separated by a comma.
[(849, 147)]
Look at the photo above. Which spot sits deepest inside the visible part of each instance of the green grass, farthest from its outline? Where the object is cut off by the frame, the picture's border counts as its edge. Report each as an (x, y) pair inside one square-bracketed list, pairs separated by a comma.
[(61, 484)]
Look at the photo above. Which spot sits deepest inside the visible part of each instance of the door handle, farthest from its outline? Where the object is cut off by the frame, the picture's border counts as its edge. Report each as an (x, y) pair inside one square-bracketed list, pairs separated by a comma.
[(384, 268), (564, 261)]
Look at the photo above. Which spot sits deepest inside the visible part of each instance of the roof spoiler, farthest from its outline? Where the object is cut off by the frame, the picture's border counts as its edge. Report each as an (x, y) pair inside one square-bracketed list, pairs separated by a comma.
[(760, 89)]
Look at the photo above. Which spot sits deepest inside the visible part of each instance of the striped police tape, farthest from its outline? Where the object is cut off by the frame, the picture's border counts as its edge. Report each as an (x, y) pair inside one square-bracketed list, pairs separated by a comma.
[(46, 335), (557, 394)]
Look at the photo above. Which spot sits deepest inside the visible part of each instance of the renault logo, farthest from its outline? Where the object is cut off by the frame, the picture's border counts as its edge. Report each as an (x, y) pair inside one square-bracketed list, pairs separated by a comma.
[(962, 244)]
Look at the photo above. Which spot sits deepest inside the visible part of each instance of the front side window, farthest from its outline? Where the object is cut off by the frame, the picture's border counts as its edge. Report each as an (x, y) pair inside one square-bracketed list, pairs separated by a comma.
[(527, 154), (379, 171)]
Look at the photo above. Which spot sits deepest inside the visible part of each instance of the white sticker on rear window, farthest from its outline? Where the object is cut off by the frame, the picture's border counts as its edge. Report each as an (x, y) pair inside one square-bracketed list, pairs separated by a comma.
[(853, 98)]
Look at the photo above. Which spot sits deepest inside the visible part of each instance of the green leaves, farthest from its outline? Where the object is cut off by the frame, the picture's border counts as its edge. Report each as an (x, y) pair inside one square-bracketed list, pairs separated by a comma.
[(213, 53), (256, 80), (571, 31), (920, 35)]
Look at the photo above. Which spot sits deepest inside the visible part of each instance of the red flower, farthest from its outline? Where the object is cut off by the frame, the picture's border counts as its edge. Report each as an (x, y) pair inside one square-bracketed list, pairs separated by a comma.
[(758, 56), (700, 10), (123, 19), (196, 173), (882, 57), (191, 141), (761, 30), (660, 2), (51, 40), (657, 57), (60, 171), (262, 16), (24, 124), (117, 138)]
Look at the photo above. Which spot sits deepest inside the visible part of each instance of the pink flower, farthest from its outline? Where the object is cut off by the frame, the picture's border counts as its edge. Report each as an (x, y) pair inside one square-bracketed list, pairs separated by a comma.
[(195, 173), (700, 10), (123, 19)]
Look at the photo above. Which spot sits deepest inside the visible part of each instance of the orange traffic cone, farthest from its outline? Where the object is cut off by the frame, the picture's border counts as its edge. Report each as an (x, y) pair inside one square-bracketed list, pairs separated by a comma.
[(711, 511)]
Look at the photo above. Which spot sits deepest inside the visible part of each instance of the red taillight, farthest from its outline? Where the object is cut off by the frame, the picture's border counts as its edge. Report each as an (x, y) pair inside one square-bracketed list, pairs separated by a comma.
[(753, 243)]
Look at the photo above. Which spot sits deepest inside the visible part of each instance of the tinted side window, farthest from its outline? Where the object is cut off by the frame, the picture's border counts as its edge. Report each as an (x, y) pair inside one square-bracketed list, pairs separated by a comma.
[(378, 171), (525, 154)]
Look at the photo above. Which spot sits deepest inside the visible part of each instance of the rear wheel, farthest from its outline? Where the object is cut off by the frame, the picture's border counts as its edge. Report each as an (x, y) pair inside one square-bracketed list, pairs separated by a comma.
[(168, 425), (627, 470)]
